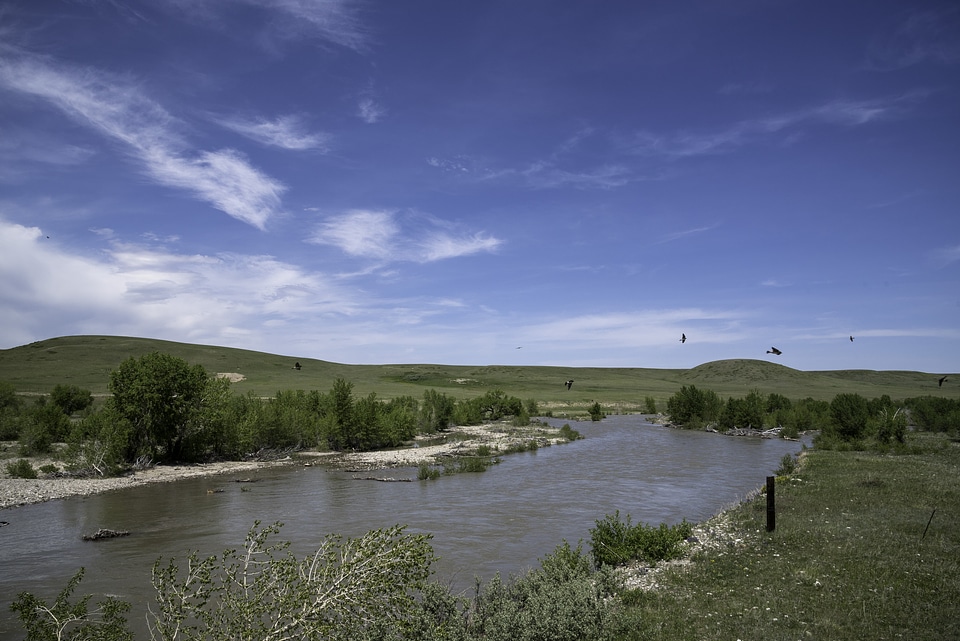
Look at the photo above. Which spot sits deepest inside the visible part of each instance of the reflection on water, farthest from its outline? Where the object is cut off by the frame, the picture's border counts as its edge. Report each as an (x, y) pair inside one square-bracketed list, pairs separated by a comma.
[(502, 520)]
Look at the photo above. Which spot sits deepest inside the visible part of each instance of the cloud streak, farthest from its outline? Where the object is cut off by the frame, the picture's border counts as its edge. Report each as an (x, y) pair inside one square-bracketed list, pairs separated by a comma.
[(380, 235), (286, 132), (846, 113), (118, 110)]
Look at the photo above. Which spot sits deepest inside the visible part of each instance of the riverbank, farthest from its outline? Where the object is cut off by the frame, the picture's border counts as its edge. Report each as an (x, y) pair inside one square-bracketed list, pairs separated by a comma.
[(866, 546), (457, 441)]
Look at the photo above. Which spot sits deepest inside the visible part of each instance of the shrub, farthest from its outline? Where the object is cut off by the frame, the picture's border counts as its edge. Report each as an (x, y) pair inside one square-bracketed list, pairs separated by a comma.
[(427, 473), (615, 542), (569, 433), (787, 465), (71, 398), (650, 404), (21, 469), (596, 412)]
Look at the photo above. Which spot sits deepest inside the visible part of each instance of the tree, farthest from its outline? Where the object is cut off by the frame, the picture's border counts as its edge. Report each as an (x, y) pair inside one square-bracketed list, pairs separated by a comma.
[(162, 397), (263, 592), (71, 398), (694, 407), (849, 414)]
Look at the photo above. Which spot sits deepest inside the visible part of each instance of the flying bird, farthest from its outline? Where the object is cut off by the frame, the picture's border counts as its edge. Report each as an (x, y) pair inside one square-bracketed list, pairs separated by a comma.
[(774, 351), (683, 338), (940, 382), (851, 339), (569, 383), (296, 366)]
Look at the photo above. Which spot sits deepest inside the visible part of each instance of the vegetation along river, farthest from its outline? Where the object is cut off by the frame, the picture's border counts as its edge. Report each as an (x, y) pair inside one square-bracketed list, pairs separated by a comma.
[(502, 520)]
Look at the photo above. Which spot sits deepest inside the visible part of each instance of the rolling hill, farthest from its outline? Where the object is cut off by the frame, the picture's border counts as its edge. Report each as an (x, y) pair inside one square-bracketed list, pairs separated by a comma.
[(86, 361)]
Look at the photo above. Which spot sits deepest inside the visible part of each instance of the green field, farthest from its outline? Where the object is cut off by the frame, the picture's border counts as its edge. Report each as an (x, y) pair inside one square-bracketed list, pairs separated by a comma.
[(86, 361)]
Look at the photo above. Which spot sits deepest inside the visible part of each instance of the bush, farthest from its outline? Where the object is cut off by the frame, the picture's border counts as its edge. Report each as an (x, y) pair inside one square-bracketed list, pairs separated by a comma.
[(71, 398), (427, 473), (560, 601), (21, 469), (569, 433), (596, 412), (616, 542), (650, 405), (849, 415)]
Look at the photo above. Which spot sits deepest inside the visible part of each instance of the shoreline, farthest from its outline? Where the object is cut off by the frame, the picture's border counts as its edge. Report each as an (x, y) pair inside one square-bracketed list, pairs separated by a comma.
[(458, 441)]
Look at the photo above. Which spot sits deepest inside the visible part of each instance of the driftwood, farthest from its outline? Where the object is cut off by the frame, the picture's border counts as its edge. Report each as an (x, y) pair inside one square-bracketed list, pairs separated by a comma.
[(245, 480), (104, 533), (382, 480)]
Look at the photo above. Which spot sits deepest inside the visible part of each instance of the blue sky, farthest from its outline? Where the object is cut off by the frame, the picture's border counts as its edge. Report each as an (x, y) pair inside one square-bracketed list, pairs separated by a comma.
[(498, 182)]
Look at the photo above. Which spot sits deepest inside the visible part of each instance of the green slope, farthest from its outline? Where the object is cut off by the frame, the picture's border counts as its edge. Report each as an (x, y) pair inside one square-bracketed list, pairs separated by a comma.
[(87, 361)]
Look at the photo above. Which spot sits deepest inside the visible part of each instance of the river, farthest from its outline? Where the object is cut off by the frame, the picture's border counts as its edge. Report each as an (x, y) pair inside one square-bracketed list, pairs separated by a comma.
[(502, 520)]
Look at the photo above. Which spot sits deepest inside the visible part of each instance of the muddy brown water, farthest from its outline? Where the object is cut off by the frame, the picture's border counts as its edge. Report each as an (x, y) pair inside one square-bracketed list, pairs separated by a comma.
[(503, 520)]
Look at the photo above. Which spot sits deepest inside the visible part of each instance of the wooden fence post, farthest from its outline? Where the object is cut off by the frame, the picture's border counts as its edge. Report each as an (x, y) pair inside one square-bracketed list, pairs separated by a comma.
[(771, 504)]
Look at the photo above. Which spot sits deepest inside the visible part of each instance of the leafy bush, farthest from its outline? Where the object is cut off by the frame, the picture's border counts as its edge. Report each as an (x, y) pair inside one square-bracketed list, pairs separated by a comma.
[(935, 413), (615, 542), (21, 469), (650, 404), (71, 398), (263, 591), (787, 465), (65, 620), (560, 601), (569, 433), (596, 412), (427, 473)]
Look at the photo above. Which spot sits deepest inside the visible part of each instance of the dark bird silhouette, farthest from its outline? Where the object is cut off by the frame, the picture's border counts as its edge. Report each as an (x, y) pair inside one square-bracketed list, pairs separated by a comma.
[(569, 383), (296, 366), (774, 351), (683, 338), (940, 382), (851, 339)]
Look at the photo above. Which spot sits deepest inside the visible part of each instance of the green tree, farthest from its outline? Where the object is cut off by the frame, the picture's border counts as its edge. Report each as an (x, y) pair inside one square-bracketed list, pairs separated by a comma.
[(340, 425), (849, 414), (71, 398), (693, 407), (436, 411), (162, 397)]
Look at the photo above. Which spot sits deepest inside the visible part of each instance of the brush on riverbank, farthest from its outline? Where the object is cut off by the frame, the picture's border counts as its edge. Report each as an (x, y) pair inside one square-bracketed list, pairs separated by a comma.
[(858, 553)]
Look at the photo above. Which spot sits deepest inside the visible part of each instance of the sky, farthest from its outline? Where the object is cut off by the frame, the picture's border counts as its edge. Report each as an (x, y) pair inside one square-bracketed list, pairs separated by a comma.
[(476, 183)]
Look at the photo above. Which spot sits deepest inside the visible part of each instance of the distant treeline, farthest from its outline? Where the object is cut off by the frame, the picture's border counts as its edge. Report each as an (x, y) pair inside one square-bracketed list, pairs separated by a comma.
[(163, 409), (849, 421)]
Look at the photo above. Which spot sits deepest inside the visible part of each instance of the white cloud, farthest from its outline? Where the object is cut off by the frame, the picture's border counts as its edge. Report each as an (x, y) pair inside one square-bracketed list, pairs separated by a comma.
[(141, 290), (945, 256), (359, 233), (837, 112), (380, 235), (287, 132), (370, 111), (118, 110)]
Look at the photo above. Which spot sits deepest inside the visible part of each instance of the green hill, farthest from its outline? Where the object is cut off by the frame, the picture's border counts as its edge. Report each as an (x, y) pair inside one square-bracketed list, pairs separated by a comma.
[(87, 361)]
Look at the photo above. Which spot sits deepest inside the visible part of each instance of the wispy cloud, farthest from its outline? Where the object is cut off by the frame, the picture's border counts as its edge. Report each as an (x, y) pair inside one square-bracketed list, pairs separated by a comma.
[(925, 36), (287, 132), (847, 113), (370, 111), (944, 256), (677, 235), (118, 110), (380, 235), (334, 21)]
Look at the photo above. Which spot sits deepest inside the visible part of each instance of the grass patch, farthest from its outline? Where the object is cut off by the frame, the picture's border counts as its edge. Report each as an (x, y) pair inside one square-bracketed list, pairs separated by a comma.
[(851, 558)]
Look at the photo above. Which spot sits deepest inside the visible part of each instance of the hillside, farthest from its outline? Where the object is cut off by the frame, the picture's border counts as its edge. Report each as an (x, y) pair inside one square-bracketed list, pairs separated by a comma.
[(87, 361)]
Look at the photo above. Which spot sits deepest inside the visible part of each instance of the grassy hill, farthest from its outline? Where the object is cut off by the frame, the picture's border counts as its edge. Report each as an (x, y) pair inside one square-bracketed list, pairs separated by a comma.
[(87, 361)]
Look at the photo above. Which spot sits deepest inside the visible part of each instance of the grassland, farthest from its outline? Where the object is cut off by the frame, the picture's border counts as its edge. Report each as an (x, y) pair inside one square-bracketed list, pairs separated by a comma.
[(866, 546), (86, 361)]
